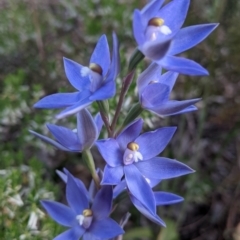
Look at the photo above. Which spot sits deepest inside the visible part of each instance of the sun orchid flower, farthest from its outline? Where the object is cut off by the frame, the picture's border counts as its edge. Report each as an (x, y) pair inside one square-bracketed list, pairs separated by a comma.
[(134, 157), (154, 91), (157, 30), (95, 82), (77, 140), (89, 222)]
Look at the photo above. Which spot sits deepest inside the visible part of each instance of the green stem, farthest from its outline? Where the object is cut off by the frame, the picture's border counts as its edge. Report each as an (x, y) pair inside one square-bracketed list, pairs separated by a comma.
[(88, 159), (104, 110)]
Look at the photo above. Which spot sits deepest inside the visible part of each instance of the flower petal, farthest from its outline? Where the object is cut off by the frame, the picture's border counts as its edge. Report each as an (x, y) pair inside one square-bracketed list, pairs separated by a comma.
[(175, 107), (65, 137), (73, 234), (153, 143), (119, 188), (156, 50), (169, 79), (49, 140), (112, 175), (58, 100), (152, 73), (139, 187), (115, 63), (110, 151), (87, 131), (165, 198), (102, 203), (174, 14), (182, 65), (105, 228), (60, 213), (129, 133), (99, 122), (188, 37), (150, 10), (75, 108), (162, 168), (153, 217), (76, 198), (138, 28), (101, 54), (155, 95), (76, 78), (104, 92)]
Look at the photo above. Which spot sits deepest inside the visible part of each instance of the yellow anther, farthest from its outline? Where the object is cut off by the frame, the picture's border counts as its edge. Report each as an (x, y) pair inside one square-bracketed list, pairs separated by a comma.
[(133, 146), (87, 213), (153, 81), (157, 22), (96, 68)]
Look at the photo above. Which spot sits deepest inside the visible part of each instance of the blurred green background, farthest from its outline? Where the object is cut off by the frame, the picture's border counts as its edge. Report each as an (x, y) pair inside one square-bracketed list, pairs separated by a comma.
[(35, 35)]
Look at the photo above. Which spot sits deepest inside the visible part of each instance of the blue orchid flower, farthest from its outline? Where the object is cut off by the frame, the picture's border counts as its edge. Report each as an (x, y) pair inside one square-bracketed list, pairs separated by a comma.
[(133, 157), (161, 198), (154, 91), (87, 132), (93, 83), (89, 222), (157, 31)]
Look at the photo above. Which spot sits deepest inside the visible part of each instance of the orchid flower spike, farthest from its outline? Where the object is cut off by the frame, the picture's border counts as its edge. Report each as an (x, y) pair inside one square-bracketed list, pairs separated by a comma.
[(157, 31), (93, 83), (77, 140)]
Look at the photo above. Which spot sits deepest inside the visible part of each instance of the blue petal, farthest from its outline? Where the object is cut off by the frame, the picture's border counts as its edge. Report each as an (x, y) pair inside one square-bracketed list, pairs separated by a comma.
[(101, 55), (139, 187), (86, 129), (153, 217), (76, 198), (115, 63), (110, 152), (119, 188), (71, 234), (185, 110), (188, 37), (152, 73), (64, 177), (102, 203), (153, 143), (175, 107), (58, 100), (182, 65), (65, 137), (129, 133), (73, 73), (165, 198), (74, 108), (104, 92), (156, 50), (162, 168), (138, 28), (49, 140), (174, 14), (169, 79), (99, 122), (105, 228), (112, 175), (89, 236), (154, 95), (60, 213), (150, 11)]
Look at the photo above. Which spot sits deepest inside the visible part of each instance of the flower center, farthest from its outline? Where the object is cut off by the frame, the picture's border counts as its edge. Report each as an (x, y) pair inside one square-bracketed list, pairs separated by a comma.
[(96, 68), (131, 154), (152, 82), (85, 219), (156, 29)]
